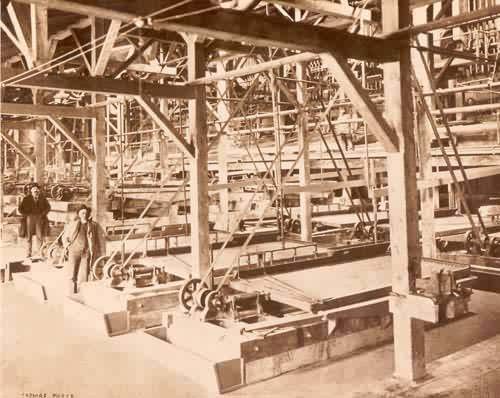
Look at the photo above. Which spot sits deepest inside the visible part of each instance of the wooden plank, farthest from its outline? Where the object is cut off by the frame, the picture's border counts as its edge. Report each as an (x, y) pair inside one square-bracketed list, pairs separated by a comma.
[(284, 340), (166, 125), (107, 48), (419, 307), (265, 31), (102, 85), (8, 108), (59, 124)]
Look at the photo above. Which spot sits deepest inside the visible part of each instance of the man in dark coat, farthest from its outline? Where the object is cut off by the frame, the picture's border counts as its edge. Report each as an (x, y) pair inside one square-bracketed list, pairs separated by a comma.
[(85, 241), (35, 207)]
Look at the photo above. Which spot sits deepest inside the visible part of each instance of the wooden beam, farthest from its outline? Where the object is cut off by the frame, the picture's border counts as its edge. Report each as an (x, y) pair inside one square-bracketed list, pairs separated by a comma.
[(99, 177), (83, 55), (18, 124), (325, 186), (74, 7), (409, 337), (423, 307), (223, 115), (12, 36), (19, 149), (58, 123), (304, 163), (159, 118), (107, 48), (360, 99), (275, 32), (21, 29), (488, 12), (66, 32), (105, 86), (324, 7), (137, 53), (424, 139), (200, 238), (444, 178), (236, 26), (9, 108), (39, 33), (257, 68)]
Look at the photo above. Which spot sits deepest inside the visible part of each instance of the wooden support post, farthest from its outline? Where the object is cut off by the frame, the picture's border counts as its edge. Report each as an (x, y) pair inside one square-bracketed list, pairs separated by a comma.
[(199, 163), (409, 343), (84, 162), (60, 158), (2, 171), (278, 139), (424, 138), (98, 165), (452, 198), (303, 163), (162, 145), (39, 152), (39, 44), (222, 148)]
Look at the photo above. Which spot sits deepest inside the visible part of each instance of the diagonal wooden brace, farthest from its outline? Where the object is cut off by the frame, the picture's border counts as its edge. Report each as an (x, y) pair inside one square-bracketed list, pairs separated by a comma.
[(58, 124), (167, 126), (342, 72)]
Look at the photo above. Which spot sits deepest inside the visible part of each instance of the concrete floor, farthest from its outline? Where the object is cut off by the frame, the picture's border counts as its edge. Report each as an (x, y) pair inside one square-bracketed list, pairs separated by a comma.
[(42, 351)]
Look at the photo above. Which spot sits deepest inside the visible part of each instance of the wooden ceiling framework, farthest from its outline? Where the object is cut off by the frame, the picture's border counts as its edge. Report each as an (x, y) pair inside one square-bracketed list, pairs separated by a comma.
[(191, 70)]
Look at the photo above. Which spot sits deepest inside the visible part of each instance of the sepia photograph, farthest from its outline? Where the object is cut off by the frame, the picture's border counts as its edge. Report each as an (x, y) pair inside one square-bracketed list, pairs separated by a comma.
[(250, 199)]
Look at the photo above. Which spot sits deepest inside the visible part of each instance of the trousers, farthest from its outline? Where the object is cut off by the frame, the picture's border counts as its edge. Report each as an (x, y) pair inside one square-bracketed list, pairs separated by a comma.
[(34, 228), (77, 269)]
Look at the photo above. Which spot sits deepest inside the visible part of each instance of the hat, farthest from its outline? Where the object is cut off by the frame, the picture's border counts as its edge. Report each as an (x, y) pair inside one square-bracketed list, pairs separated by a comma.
[(83, 207)]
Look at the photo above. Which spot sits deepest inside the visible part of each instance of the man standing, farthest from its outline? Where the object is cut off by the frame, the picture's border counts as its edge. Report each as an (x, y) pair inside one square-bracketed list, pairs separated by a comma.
[(344, 129), (85, 242), (34, 208)]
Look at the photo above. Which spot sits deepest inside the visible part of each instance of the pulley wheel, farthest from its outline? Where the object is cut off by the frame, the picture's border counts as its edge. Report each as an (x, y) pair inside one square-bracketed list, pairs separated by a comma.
[(214, 301), (186, 294), (107, 268), (359, 230), (97, 267), (54, 191), (9, 188)]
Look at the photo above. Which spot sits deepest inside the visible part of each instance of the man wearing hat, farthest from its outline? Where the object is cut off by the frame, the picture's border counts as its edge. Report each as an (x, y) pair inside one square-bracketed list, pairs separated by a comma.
[(85, 241), (34, 208)]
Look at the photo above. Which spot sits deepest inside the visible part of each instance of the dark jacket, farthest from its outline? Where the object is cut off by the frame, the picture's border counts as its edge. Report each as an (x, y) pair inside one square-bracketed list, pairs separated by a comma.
[(36, 214)]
